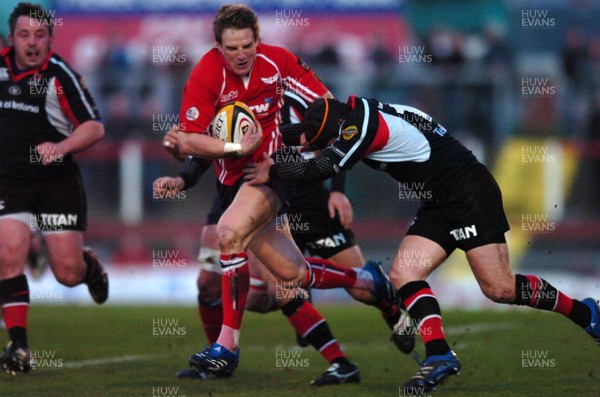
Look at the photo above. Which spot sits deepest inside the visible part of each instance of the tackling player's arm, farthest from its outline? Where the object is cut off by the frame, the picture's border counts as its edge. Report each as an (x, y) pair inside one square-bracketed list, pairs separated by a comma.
[(189, 174), (317, 169)]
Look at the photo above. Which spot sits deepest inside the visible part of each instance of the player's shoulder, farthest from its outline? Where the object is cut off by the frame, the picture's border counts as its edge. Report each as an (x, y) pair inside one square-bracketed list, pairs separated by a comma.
[(208, 67), (57, 64), (210, 58), (274, 52)]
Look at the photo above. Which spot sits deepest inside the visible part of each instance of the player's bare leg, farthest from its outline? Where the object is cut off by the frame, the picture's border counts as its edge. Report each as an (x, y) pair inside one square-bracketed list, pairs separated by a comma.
[(72, 264), (248, 222), (491, 268), (252, 208), (278, 252), (14, 291)]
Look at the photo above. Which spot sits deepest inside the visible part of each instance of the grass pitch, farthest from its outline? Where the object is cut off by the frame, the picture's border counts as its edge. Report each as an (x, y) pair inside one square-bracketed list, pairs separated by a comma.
[(135, 351)]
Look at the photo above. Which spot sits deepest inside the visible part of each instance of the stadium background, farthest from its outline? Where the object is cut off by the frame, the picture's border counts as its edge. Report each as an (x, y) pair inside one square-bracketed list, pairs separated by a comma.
[(517, 81)]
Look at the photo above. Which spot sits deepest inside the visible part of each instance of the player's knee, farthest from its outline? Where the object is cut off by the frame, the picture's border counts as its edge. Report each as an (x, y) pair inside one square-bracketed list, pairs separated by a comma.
[(400, 276), (498, 293), (70, 271), (229, 239), (68, 278), (13, 250), (290, 277)]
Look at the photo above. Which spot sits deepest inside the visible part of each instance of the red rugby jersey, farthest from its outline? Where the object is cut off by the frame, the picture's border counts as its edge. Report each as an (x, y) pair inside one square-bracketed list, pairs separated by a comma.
[(212, 84)]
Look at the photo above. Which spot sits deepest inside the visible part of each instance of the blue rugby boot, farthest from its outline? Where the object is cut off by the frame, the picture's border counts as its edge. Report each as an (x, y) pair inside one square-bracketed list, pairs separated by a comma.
[(434, 370), (594, 328), (216, 359)]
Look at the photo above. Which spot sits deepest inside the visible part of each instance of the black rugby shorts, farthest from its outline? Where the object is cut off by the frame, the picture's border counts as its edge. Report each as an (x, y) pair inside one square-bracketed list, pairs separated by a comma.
[(470, 214)]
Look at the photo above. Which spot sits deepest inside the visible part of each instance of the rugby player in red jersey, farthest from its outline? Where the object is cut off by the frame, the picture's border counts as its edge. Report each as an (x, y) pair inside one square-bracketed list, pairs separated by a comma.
[(461, 208), (50, 117), (239, 68)]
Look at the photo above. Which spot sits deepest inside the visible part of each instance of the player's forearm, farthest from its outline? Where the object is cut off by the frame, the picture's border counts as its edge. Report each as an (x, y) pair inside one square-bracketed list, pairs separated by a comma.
[(338, 182), (83, 137), (315, 170), (191, 171), (201, 145)]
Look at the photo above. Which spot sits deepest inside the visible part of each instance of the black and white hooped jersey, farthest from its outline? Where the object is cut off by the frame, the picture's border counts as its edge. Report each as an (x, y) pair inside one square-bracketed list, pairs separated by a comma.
[(402, 141), (36, 106)]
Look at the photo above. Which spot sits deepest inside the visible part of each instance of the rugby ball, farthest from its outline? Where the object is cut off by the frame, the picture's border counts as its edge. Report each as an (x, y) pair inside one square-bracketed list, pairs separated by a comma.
[(232, 121)]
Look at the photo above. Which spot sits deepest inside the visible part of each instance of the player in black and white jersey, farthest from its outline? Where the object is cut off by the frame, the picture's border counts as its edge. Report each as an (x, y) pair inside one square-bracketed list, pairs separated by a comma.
[(46, 114), (461, 208)]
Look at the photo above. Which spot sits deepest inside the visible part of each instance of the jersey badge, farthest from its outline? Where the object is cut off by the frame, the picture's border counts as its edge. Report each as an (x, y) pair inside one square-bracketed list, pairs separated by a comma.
[(4, 74), (349, 132), (192, 113), (14, 90), (303, 64)]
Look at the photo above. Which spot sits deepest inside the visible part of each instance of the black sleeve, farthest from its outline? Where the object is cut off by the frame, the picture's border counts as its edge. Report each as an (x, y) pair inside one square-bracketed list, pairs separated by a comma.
[(191, 171), (78, 104), (318, 169), (338, 182)]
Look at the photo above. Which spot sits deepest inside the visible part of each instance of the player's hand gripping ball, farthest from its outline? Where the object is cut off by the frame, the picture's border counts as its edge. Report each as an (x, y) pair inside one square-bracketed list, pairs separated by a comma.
[(232, 121)]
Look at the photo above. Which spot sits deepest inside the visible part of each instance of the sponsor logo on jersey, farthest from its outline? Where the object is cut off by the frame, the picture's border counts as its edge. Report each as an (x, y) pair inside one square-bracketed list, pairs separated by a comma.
[(192, 113), (4, 74), (230, 96), (258, 109), (464, 233), (349, 132), (14, 90), (270, 80)]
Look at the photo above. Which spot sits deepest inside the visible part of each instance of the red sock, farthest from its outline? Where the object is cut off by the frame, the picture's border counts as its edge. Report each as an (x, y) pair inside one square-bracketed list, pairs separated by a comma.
[(211, 317), (15, 315), (324, 274), (309, 323), (235, 284), (14, 295)]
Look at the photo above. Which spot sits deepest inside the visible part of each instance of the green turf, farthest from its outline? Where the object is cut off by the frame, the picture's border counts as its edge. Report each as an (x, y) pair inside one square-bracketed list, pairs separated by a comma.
[(72, 341)]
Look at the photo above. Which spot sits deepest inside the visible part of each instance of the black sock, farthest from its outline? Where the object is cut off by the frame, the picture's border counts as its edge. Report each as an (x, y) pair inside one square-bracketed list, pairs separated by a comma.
[(421, 304), (580, 314), (536, 292)]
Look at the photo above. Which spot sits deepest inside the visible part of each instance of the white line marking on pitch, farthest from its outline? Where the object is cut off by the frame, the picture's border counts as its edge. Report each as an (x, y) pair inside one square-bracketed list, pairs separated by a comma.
[(108, 360)]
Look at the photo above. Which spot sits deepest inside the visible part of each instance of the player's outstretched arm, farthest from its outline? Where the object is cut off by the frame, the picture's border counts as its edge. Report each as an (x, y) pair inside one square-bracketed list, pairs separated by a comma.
[(84, 136), (316, 169)]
